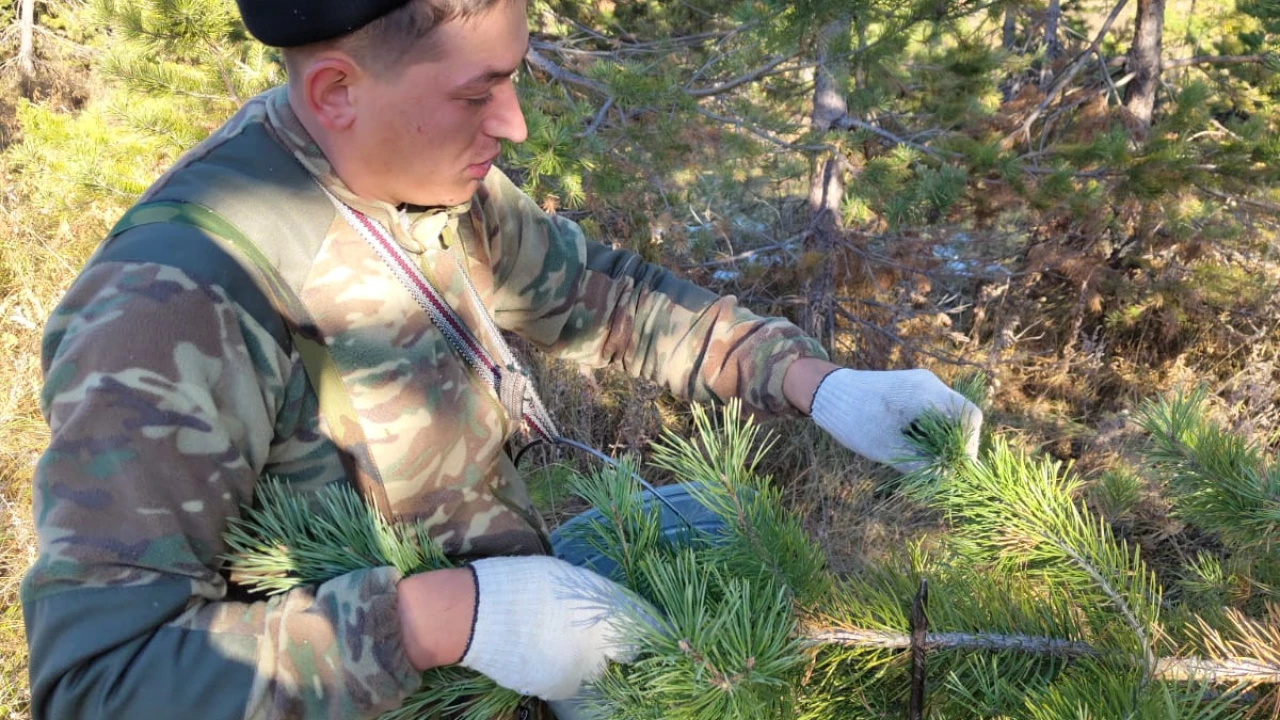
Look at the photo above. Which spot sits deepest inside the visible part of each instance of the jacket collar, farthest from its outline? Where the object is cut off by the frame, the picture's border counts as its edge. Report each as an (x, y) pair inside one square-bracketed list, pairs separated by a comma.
[(416, 229)]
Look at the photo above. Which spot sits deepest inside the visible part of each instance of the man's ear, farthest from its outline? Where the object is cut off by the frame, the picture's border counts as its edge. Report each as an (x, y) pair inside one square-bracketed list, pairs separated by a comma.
[(327, 84)]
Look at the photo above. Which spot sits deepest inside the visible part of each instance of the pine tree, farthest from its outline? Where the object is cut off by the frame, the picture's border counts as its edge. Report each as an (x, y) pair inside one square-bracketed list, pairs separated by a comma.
[(1030, 606), (186, 65)]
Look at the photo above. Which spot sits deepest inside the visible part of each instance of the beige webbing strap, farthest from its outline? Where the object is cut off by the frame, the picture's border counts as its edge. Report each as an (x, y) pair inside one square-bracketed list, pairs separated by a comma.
[(334, 401)]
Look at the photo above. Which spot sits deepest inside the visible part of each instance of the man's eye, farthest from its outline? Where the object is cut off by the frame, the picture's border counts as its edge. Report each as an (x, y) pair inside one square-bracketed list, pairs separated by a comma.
[(479, 101)]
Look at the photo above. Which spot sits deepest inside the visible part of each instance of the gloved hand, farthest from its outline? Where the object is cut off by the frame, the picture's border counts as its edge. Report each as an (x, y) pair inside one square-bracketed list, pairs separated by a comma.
[(868, 410), (544, 627)]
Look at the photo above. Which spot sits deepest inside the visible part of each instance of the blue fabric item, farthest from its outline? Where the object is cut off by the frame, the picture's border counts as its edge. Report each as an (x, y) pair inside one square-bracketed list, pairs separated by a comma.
[(568, 545)]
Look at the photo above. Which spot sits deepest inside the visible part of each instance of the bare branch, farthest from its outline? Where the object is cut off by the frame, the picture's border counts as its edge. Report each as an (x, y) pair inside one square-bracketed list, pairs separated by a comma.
[(877, 328), (848, 122), (891, 640), (1061, 84), (785, 246), (536, 59), (765, 134), (1259, 204), (740, 80), (1215, 60), (665, 45), (599, 118)]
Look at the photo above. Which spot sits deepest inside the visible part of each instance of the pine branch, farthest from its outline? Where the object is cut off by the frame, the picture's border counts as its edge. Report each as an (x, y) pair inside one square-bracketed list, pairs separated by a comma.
[(1243, 670), (1121, 600), (1221, 481), (749, 611), (988, 642)]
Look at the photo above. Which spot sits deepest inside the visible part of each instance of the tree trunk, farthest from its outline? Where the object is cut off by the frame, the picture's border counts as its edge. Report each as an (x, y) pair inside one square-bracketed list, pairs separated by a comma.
[(1009, 37), (1145, 63), (1052, 49), (1009, 42), (26, 46), (826, 190), (1195, 50), (860, 70)]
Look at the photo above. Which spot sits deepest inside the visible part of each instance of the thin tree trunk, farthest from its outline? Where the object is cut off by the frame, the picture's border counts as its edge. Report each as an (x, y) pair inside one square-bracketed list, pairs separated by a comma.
[(826, 189), (26, 46), (1009, 42), (1009, 37), (1144, 63), (860, 70), (1052, 49), (1191, 13)]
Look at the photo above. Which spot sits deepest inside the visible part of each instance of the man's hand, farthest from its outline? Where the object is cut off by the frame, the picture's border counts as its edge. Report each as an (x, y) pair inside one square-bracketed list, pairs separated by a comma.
[(868, 410), (544, 627)]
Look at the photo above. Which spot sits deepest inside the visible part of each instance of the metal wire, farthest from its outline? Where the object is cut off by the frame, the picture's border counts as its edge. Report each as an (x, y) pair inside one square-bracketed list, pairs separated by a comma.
[(566, 442)]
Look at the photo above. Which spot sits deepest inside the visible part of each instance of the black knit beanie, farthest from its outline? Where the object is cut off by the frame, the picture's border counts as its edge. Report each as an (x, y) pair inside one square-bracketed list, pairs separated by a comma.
[(290, 23)]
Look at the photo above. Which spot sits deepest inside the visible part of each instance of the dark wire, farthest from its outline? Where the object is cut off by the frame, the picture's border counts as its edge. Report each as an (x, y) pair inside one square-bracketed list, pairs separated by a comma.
[(566, 442)]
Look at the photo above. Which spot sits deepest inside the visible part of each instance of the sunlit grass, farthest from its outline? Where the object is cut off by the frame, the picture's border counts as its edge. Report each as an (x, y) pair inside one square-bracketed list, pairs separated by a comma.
[(17, 550), (40, 252)]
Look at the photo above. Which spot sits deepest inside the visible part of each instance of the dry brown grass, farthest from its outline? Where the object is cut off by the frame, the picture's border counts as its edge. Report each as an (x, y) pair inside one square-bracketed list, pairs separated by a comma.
[(17, 550), (39, 255), (25, 286), (21, 435)]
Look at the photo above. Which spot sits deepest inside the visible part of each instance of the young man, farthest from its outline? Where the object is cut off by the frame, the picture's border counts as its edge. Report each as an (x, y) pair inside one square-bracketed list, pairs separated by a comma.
[(174, 381)]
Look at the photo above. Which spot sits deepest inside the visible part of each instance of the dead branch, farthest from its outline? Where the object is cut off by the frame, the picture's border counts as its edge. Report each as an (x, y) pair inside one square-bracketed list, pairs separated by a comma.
[(740, 80), (1215, 60), (1259, 204), (1024, 130), (598, 120), (620, 47), (788, 245), (913, 348), (848, 122), (559, 74), (765, 134)]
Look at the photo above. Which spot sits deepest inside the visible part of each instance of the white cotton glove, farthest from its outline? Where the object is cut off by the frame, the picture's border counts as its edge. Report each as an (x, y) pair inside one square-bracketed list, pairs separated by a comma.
[(868, 410), (544, 627)]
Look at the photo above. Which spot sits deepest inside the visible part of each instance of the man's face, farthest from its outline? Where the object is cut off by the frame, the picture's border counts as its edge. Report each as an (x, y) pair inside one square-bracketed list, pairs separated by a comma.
[(428, 135)]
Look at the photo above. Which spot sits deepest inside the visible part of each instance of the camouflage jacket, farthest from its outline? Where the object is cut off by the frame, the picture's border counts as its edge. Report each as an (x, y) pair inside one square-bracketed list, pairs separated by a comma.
[(171, 387)]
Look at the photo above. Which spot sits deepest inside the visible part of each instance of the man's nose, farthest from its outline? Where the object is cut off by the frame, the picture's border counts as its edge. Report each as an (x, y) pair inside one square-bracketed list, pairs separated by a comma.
[(506, 120)]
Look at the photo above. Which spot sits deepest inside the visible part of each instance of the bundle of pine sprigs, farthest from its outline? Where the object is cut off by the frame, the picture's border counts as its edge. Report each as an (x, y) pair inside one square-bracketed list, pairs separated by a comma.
[(1038, 610)]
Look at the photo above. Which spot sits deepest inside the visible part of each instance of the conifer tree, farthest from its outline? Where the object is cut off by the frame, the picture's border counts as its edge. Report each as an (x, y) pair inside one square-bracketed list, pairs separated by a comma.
[(1030, 607), (186, 65)]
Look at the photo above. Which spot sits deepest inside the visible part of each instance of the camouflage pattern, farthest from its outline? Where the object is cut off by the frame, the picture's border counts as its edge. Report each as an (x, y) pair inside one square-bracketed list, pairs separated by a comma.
[(168, 398)]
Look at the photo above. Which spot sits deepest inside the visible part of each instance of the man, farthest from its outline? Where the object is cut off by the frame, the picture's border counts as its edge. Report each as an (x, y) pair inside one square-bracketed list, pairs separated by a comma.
[(174, 381)]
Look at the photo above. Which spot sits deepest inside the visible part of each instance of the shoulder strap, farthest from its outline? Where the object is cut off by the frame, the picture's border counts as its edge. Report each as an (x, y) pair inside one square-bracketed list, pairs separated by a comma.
[(334, 400)]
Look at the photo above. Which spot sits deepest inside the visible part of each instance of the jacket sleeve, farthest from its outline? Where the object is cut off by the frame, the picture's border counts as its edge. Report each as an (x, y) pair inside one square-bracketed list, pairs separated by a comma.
[(161, 395), (583, 301)]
